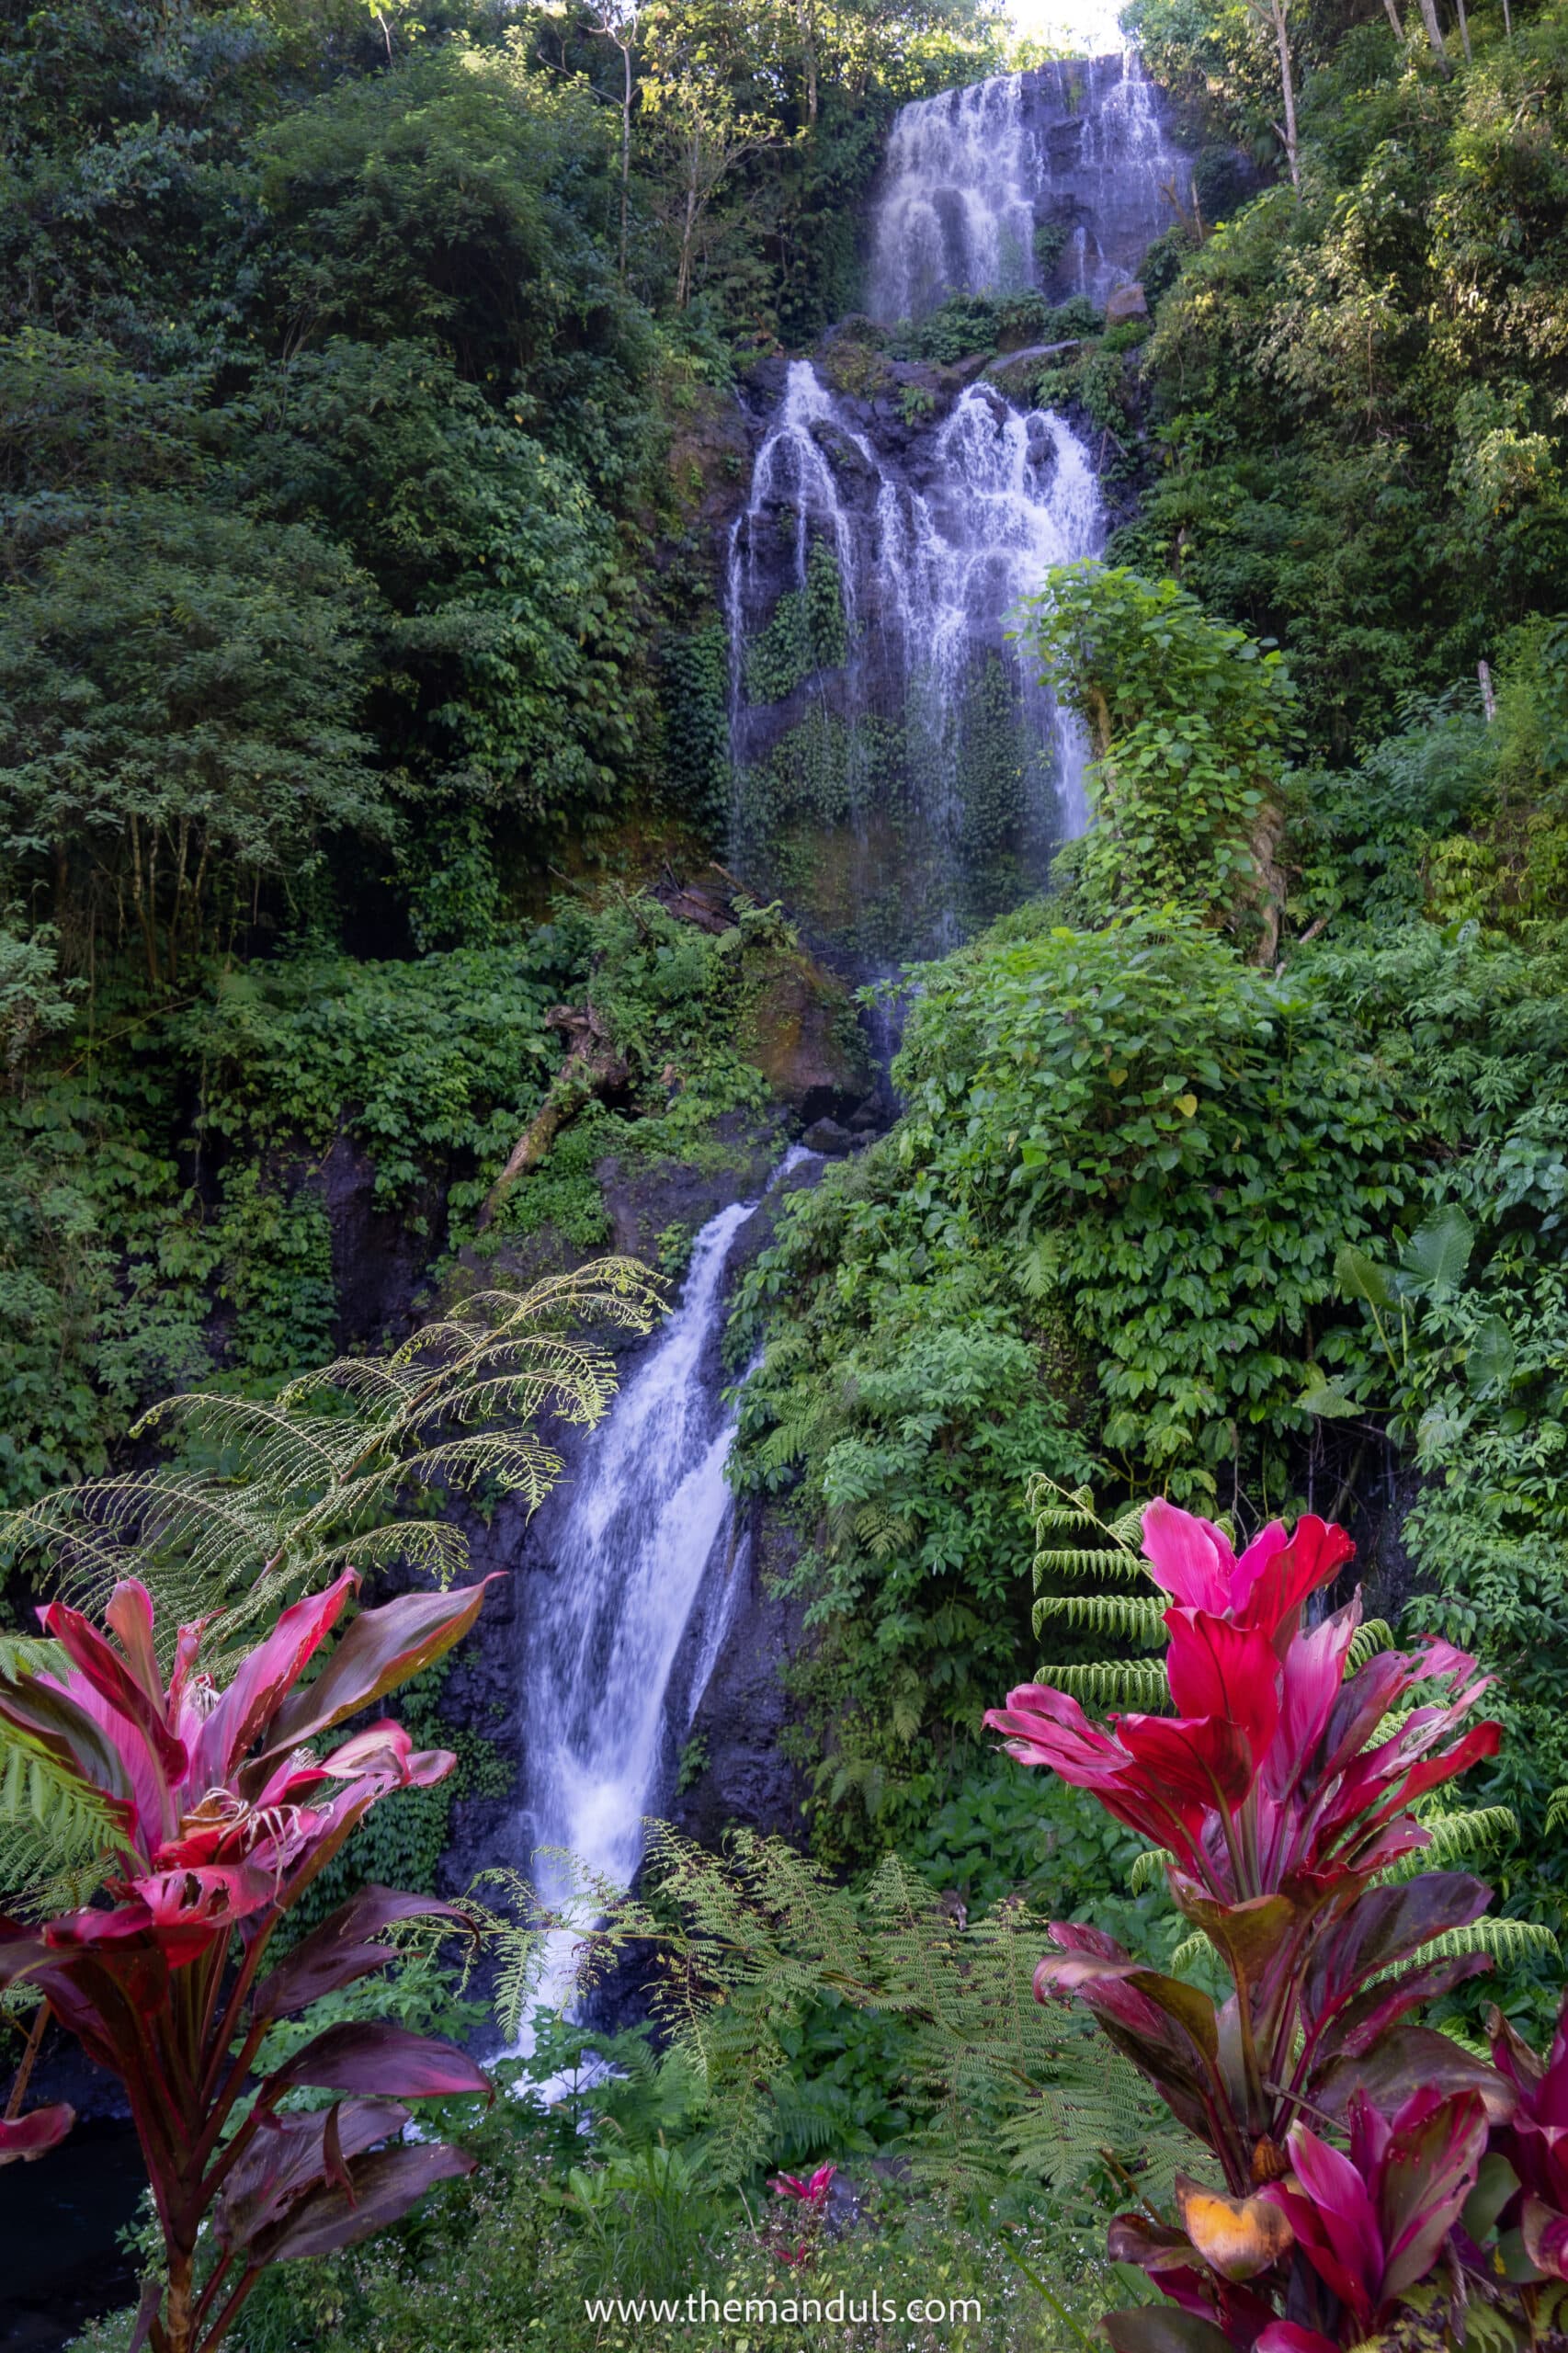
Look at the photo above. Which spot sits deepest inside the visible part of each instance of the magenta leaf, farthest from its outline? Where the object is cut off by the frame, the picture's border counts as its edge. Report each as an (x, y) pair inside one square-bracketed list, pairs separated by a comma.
[(1428, 2171), (381, 1649), (267, 1678), (26, 2137)]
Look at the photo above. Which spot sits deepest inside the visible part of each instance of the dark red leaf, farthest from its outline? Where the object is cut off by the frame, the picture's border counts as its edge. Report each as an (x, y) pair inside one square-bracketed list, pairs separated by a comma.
[(385, 2186), (340, 1950), (1366, 2019), (382, 2058), (289, 2156), (1408, 2060), (1161, 2328)]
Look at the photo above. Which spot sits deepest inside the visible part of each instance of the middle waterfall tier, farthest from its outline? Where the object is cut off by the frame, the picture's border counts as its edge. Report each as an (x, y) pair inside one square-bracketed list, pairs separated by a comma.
[(900, 774)]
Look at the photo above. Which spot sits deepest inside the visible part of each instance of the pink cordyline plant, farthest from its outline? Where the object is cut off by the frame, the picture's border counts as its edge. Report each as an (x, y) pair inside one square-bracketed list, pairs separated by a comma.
[(1279, 1801), (811, 2193), (226, 1812)]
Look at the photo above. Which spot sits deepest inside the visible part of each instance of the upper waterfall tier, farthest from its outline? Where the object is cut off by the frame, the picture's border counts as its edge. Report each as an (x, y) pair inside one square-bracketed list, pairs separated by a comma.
[(1061, 178)]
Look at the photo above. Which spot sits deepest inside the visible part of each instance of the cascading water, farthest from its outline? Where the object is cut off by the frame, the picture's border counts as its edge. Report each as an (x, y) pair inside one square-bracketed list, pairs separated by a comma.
[(1070, 161), (932, 773), (642, 1561), (956, 213), (900, 774)]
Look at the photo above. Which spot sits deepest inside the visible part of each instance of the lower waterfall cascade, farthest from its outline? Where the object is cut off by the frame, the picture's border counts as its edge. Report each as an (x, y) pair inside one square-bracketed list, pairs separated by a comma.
[(647, 1566)]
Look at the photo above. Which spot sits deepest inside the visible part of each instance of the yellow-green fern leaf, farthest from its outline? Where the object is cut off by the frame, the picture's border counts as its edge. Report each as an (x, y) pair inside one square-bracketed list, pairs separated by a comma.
[(1149, 1868), (1110, 1682), (1134, 1617)]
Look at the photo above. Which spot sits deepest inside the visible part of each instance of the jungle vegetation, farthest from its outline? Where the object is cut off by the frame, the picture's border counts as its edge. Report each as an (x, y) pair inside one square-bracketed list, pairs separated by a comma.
[(362, 374)]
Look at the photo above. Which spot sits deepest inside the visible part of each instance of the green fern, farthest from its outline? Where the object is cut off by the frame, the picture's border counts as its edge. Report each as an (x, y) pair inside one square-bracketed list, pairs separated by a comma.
[(1457, 1838), (1113, 1683), (748, 1941), (345, 1466), (1076, 1547), (1133, 1617), (1508, 1941), (1149, 1868), (1367, 1639), (56, 1835)]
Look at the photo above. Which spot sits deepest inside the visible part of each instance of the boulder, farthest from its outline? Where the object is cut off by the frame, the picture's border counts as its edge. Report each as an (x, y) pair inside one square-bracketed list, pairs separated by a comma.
[(802, 1035), (1125, 303)]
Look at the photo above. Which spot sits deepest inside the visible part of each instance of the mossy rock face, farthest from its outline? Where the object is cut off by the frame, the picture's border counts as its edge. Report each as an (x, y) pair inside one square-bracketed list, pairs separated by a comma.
[(710, 461), (802, 1034)]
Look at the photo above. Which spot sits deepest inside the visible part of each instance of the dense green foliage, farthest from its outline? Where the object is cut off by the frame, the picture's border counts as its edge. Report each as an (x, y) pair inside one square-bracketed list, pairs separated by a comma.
[(361, 409), (1358, 388)]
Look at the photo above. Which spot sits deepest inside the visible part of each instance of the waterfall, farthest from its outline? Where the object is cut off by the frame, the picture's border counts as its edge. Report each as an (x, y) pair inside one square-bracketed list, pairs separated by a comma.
[(957, 211), (920, 753), (642, 1561), (1077, 150), (899, 773)]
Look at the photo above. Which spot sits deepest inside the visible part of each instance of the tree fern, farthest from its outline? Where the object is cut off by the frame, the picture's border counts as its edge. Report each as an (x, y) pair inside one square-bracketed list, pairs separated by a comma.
[(272, 1495), (1457, 1838), (1506, 1940), (1133, 1617), (1112, 1682)]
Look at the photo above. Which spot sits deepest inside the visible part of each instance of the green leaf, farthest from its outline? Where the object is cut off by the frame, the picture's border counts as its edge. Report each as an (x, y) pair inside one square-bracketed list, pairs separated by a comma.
[(1326, 1398), (1434, 1260), (1489, 1366), (1359, 1276)]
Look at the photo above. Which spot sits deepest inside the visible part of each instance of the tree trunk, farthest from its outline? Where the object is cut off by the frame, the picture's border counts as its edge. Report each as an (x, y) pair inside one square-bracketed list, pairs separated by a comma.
[(625, 151), (689, 230), (805, 17), (1435, 35), (1288, 87), (177, 2330), (1464, 30), (1393, 19), (592, 1067)]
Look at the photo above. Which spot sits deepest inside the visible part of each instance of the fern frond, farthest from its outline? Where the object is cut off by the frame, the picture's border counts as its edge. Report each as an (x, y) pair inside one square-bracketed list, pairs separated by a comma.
[(1110, 1682), (1376, 1635), (1134, 1617), (1149, 1868), (752, 1940), (1506, 1940), (1456, 1837), (1556, 1811), (340, 1465)]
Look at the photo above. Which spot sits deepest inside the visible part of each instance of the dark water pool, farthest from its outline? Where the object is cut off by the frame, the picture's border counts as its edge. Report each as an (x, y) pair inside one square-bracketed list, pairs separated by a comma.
[(60, 2266)]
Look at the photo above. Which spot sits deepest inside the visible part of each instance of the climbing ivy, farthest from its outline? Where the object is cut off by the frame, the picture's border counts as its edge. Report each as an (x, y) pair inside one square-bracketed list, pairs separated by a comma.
[(808, 631)]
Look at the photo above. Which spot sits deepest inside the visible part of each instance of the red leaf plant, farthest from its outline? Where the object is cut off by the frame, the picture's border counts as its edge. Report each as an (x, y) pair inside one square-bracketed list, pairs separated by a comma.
[(1280, 1802), (227, 1812), (811, 2194)]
